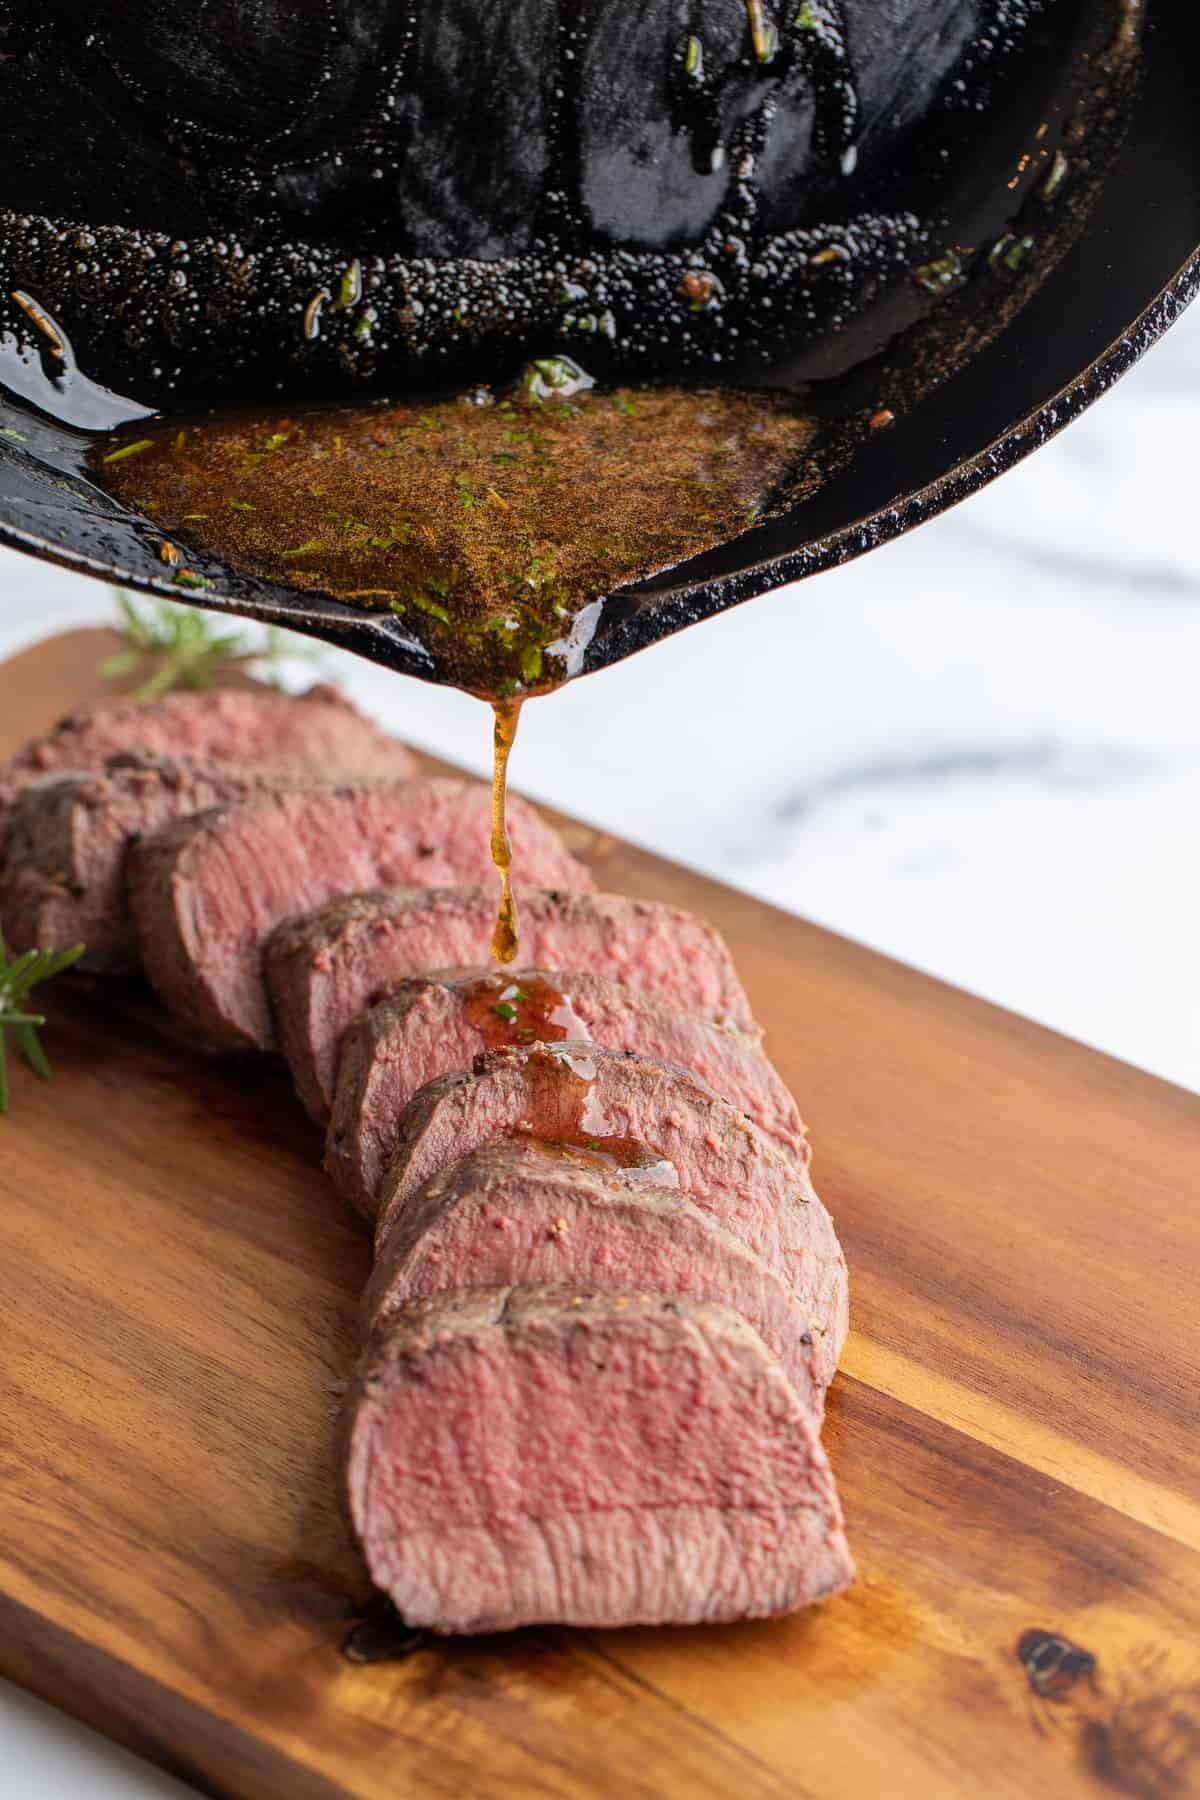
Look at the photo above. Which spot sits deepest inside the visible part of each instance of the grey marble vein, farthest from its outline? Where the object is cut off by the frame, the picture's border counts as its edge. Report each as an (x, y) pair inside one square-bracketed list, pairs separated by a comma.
[(1048, 761), (1075, 564)]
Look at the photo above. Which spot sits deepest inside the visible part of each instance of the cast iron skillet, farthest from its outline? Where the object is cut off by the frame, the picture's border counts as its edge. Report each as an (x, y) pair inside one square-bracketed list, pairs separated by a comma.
[(1127, 276)]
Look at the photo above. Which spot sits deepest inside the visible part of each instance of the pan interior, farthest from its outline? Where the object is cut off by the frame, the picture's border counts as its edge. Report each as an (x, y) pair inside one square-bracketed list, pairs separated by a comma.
[(1006, 194)]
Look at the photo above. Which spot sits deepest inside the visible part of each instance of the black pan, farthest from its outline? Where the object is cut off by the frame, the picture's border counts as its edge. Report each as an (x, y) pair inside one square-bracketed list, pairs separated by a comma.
[(1125, 271)]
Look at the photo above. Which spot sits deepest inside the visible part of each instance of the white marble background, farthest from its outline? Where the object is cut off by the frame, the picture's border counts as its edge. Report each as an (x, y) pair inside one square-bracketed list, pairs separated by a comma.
[(977, 749)]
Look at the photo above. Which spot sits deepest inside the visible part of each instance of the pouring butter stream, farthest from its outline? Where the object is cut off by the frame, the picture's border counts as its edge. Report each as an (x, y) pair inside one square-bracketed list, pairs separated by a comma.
[(506, 938)]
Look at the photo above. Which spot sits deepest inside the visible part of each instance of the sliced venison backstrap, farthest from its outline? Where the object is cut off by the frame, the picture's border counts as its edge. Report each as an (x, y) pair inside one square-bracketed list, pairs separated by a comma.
[(435, 1026), (319, 731), (207, 892), (62, 861), (519, 1455), (521, 1210), (325, 969), (577, 1093)]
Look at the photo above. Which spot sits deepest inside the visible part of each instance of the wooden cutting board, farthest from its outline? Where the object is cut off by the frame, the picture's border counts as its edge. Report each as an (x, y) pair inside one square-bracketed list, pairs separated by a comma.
[(1015, 1431)]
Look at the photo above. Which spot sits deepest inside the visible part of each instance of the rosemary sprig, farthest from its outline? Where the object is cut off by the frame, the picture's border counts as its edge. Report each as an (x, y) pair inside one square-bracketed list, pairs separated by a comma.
[(186, 648), (18, 979)]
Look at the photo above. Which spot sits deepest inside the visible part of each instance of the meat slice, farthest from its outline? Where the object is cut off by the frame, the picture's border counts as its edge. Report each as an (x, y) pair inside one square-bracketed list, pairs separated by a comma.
[(240, 727), (325, 969), (522, 1210), (207, 892), (62, 861), (577, 1093), (526, 1455), (438, 1025)]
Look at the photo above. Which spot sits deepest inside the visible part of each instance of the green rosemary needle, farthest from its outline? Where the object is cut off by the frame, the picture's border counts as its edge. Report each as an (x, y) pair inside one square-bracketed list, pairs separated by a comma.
[(18, 979), (184, 648)]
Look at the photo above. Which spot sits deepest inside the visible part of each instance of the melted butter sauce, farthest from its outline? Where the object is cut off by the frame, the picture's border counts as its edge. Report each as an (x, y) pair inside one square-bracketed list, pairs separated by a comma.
[(525, 1009), (521, 1009), (488, 521), (575, 1122), (489, 524), (606, 1155)]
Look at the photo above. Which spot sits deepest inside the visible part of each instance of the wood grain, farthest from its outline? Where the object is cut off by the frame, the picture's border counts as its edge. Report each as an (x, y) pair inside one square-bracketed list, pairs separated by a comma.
[(1015, 1434)]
